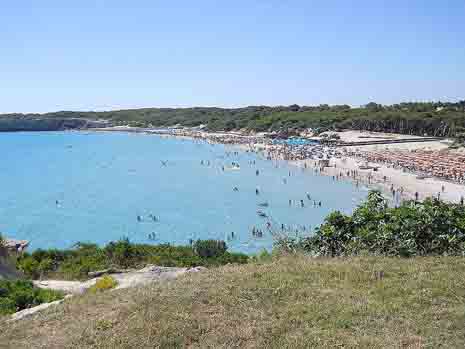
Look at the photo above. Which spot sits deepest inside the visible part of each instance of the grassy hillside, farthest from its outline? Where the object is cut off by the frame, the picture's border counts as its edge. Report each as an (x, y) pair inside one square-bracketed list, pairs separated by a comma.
[(291, 302), (437, 119)]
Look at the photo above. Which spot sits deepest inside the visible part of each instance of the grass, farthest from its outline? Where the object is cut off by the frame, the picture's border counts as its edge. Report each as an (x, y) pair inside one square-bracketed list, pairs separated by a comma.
[(290, 302)]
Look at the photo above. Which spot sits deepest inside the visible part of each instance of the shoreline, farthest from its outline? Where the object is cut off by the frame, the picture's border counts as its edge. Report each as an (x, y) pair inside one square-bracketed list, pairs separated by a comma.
[(338, 164)]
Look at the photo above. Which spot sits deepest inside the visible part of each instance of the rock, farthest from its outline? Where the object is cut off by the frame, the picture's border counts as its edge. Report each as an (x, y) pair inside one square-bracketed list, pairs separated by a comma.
[(125, 279), (195, 269), (15, 245), (99, 273), (27, 312), (8, 269), (69, 287)]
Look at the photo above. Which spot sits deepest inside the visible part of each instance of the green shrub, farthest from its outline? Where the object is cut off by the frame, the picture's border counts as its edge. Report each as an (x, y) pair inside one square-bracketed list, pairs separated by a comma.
[(77, 262), (209, 248), (121, 252), (21, 294), (431, 227)]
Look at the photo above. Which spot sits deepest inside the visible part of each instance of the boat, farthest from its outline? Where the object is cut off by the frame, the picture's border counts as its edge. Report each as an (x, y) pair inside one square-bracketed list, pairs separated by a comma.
[(262, 214), (263, 204)]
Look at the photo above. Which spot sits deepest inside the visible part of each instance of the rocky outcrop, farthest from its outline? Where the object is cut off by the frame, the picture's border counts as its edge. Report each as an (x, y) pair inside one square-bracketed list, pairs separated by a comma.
[(30, 311), (26, 123), (125, 279), (7, 268), (15, 246)]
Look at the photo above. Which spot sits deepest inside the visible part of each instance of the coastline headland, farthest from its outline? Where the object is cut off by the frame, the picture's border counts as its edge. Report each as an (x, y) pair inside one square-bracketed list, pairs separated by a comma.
[(22, 123)]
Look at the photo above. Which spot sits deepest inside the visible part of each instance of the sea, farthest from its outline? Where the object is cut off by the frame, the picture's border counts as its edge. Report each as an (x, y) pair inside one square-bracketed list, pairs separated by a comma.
[(60, 188)]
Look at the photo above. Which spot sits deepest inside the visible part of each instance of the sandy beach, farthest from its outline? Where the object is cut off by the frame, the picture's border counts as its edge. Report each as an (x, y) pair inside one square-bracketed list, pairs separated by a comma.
[(386, 178), (395, 177)]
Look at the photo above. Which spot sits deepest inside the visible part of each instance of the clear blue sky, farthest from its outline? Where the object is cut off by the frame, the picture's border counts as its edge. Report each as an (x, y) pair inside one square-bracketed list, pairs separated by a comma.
[(98, 55)]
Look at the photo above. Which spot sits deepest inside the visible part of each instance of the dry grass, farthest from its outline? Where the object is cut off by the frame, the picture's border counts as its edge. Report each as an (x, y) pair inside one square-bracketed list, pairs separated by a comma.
[(289, 303)]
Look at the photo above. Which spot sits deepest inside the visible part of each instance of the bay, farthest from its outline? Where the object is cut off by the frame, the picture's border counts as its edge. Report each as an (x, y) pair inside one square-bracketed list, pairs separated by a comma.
[(58, 188)]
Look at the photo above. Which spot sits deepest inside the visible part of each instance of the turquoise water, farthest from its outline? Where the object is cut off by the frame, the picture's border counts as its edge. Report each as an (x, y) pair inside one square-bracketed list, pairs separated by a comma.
[(64, 187)]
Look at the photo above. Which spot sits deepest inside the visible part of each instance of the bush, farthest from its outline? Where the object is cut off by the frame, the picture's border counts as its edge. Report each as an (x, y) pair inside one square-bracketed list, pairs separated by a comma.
[(431, 227), (77, 262), (209, 248), (20, 294), (121, 253), (104, 283)]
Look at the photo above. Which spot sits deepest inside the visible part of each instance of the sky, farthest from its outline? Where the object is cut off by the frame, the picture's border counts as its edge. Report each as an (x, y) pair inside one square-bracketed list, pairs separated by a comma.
[(102, 55)]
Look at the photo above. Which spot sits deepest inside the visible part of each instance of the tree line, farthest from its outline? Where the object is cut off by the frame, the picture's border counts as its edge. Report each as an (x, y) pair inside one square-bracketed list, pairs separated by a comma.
[(444, 119)]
